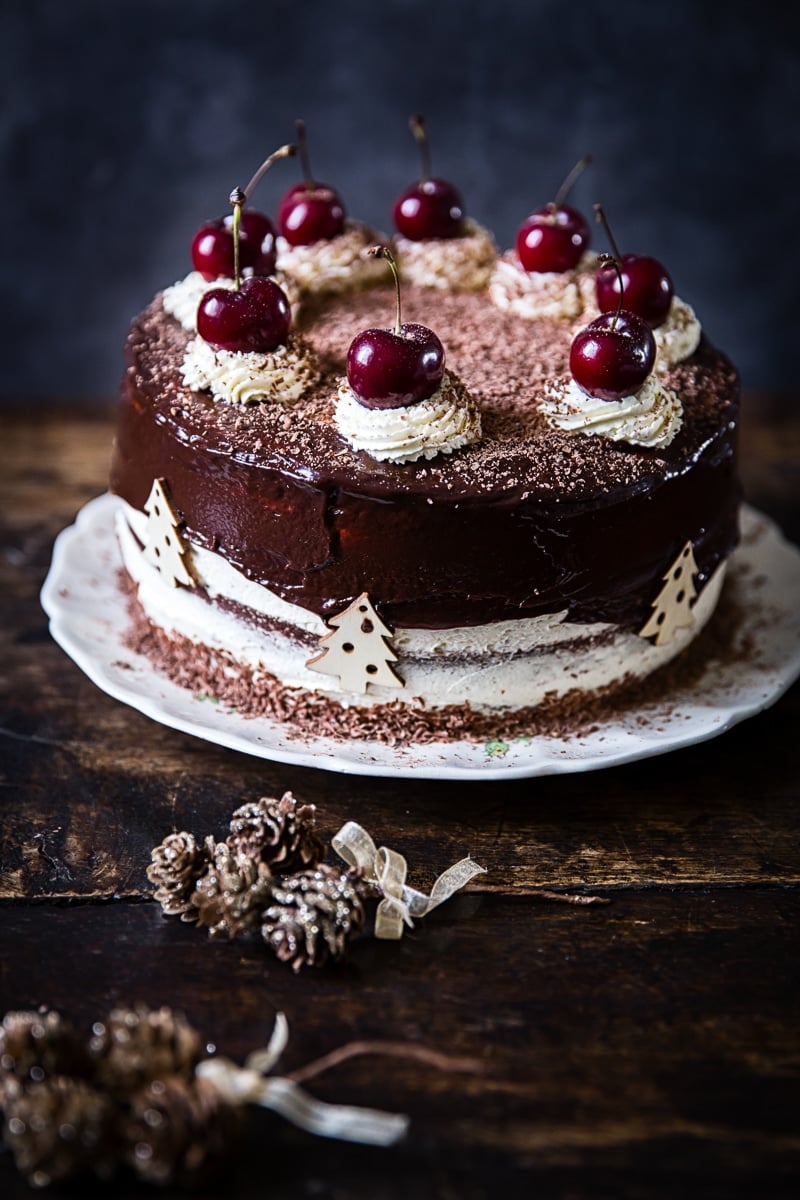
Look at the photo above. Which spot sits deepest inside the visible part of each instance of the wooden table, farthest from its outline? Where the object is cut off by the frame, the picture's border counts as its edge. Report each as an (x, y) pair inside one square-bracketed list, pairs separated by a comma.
[(646, 1047)]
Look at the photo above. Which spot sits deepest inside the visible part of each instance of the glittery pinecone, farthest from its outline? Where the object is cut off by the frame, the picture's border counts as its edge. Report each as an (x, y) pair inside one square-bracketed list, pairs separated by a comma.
[(312, 914), (280, 833), (232, 893), (36, 1045), (178, 1131), (59, 1128), (177, 865), (136, 1045)]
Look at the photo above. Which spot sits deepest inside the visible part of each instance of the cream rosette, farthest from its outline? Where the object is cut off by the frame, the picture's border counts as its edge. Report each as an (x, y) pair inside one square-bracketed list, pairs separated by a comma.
[(250, 377), (564, 295), (678, 337), (462, 264), (335, 265), (444, 422), (651, 417)]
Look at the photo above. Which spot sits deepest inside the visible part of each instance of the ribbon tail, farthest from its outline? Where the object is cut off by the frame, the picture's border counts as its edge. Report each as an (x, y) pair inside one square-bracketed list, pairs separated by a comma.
[(389, 920), (452, 880), (345, 1122)]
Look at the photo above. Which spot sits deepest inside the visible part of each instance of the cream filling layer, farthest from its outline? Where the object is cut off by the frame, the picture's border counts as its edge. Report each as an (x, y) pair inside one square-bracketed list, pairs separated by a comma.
[(562, 294), (651, 417), (462, 264), (246, 377), (444, 422), (181, 299), (335, 265), (539, 656)]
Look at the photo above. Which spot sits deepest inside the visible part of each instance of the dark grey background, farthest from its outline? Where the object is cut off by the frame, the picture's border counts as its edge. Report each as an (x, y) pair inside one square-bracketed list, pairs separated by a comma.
[(127, 122)]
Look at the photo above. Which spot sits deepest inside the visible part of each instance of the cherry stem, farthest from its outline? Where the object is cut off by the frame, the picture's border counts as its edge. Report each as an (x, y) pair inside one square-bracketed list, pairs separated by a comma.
[(417, 124), (609, 260), (385, 252), (305, 161), (600, 215), (283, 152), (569, 182), (237, 198)]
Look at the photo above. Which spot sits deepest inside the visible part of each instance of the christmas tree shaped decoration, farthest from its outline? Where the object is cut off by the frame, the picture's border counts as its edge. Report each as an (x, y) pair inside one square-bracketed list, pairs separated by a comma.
[(357, 649), (165, 548), (672, 607)]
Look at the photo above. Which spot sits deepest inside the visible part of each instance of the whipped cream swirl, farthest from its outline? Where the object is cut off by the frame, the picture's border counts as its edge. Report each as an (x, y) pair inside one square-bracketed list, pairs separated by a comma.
[(441, 424), (334, 265), (248, 377), (181, 299), (463, 264), (651, 417), (678, 337), (561, 294)]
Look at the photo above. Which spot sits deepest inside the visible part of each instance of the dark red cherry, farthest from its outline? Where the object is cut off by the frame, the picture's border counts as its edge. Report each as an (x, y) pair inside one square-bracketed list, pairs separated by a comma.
[(647, 287), (613, 355), (311, 212), (387, 369), (552, 238), (256, 318), (431, 208), (212, 247)]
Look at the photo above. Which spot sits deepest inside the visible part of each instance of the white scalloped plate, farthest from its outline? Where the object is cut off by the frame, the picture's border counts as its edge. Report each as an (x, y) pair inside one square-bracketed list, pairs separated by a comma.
[(88, 619)]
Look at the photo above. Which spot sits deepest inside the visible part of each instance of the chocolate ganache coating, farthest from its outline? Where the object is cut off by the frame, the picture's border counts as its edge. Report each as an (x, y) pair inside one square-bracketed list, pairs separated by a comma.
[(529, 520)]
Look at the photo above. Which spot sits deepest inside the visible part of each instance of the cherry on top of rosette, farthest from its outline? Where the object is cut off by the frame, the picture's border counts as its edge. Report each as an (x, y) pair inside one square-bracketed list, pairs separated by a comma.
[(394, 368), (645, 281), (431, 207), (254, 315), (310, 211), (555, 237)]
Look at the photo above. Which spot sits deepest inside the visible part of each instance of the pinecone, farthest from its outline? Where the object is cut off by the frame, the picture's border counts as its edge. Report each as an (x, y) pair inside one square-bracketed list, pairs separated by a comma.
[(60, 1127), (230, 896), (312, 914), (136, 1045), (178, 1131), (177, 865), (280, 833), (34, 1045)]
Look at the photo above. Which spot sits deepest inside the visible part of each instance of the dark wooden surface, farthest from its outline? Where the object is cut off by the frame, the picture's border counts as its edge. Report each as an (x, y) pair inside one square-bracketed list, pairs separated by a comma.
[(648, 1047)]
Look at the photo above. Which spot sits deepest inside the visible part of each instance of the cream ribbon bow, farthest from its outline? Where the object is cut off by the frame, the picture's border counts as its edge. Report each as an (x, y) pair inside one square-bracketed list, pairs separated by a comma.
[(387, 870)]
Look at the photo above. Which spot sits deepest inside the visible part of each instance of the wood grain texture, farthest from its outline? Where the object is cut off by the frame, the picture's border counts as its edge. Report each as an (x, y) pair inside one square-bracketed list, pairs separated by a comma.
[(645, 1048)]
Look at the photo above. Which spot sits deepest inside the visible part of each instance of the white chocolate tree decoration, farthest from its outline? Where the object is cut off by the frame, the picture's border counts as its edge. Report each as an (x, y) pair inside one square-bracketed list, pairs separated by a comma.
[(672, 607), (357, 649), (165, 548)]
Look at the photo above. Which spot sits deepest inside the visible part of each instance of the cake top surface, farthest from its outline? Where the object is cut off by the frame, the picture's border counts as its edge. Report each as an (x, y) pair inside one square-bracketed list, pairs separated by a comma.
[(506, 362)]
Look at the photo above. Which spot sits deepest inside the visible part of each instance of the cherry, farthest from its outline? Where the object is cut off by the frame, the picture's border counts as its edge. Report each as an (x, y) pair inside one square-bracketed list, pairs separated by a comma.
[(554, 237), (613, 355), (392, 368), (646, 283), (430, 208), (310, 211), (212, 246), (256, 318)]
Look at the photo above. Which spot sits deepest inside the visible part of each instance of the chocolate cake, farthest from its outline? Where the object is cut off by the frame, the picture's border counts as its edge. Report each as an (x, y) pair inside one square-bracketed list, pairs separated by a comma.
[(536, 561)]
